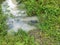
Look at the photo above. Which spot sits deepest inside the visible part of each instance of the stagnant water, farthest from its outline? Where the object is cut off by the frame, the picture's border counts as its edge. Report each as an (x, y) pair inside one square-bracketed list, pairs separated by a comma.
[(18, 21)]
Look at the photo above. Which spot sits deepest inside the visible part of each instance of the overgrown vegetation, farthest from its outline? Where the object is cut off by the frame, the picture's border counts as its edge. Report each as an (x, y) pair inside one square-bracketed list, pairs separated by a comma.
[(48, 13), (3, 26), (19, 38)]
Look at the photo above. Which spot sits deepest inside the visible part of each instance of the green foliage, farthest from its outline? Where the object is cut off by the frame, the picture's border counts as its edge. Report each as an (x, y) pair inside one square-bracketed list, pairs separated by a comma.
[(20, 38), (48, 13), (1, 1), (3, 26)]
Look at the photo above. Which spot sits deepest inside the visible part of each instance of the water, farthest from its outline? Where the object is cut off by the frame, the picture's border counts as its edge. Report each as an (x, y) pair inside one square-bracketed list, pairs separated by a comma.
[(9, 7)]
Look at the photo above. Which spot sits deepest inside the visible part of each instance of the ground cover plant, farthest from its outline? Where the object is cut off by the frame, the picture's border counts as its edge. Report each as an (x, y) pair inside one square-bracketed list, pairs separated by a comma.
[(48, 12), (48, 32)]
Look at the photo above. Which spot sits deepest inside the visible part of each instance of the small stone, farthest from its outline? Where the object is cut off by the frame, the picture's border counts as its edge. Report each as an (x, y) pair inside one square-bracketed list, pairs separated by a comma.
[(33, 21)]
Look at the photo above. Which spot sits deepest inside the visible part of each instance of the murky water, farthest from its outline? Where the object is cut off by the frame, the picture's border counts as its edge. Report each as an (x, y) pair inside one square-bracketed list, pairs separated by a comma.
[(9, 8)]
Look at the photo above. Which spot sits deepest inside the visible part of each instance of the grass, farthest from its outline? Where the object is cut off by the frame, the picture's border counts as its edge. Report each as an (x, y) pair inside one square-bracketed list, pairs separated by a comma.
[(48, 32), (20, 38)]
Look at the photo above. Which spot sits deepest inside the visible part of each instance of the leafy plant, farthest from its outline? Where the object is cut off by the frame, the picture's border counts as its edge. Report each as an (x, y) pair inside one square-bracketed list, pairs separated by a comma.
[(3, 26), (48, 13)]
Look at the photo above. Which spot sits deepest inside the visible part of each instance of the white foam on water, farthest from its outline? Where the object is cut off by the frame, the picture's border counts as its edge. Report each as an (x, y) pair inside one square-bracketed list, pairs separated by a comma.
[(8, 7), (10, 3)]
